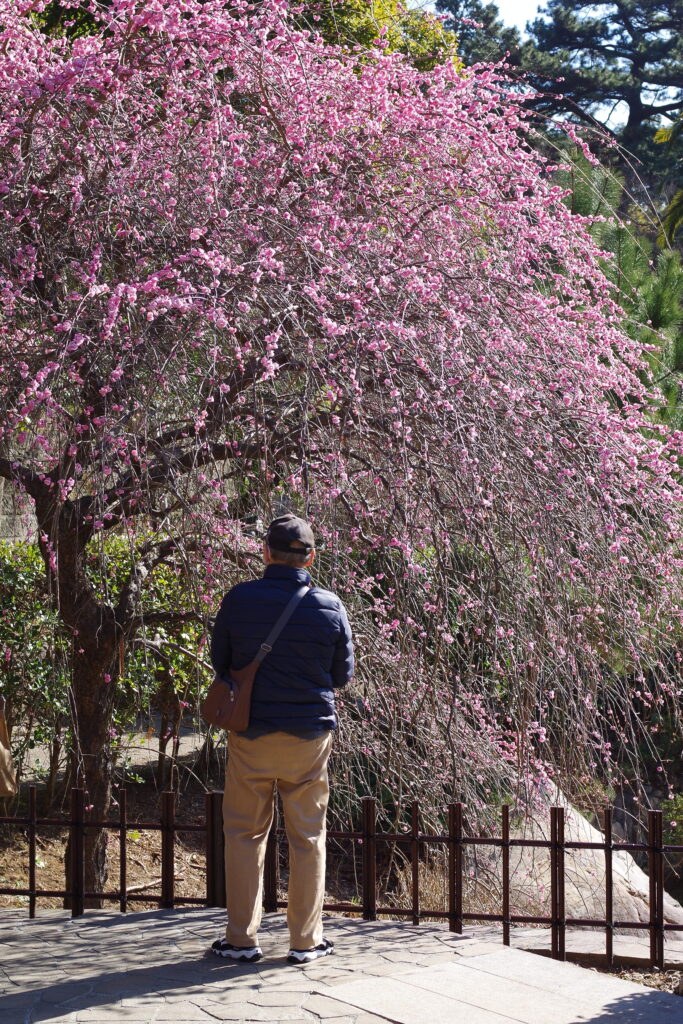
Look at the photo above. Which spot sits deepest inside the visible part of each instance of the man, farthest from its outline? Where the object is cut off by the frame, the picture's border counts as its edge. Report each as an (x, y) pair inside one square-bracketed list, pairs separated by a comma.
[(288, 740)]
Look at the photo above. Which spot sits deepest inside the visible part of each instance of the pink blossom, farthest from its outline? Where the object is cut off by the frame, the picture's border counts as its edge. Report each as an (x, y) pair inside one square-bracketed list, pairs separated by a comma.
[(359, 294)]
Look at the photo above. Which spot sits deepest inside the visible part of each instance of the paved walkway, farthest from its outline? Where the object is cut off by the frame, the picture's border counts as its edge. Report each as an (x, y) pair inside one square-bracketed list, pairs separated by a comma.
[(154, 967)]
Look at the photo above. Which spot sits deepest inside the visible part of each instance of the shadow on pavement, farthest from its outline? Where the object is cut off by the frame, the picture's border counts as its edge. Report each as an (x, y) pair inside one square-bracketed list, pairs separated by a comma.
[(191, 979), (197, 977), (647, 1007)]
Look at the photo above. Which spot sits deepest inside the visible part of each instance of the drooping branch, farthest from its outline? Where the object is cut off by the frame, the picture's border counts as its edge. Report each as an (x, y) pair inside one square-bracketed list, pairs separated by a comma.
[(146, 618), (362, 299)]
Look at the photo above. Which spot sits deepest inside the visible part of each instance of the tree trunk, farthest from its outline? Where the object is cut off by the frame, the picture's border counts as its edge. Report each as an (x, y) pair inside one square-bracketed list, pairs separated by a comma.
[(55, 753), (92, 622), (171, 713), (162, 762), (93, 693), (207, 764)]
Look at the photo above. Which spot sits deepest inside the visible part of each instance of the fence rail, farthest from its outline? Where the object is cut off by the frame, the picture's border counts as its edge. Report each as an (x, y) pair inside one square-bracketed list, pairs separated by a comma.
[(454, 840)]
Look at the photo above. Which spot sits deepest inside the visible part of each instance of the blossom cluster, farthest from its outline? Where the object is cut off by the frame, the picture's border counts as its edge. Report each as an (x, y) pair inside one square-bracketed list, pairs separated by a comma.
[(242, 269)]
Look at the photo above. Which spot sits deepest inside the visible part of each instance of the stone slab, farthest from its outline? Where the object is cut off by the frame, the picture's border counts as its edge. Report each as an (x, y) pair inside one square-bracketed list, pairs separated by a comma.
[(341, 1020), (535, 1003), (130, 1013), (394, 1000), (469, 992), (474, 948), (152, 968), (370, 1018), (553, 977), (65, 992), (281, 997), (238, 1012), (326, 1008), (181, 1011)]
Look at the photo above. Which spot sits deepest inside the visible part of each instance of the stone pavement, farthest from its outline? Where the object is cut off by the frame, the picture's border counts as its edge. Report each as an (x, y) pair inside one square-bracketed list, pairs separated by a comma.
[(631, 944), (153, 966)]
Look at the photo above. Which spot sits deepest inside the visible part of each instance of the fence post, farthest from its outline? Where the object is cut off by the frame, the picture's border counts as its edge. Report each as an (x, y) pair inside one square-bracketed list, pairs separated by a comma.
[(656, 872), (506, 873), (215, 851), (32, 851), (415, 859), (459, 866), (270, 871), (77, 845), (609, 890), (660, 889), (369, 859), (123, 852), (561, 926), (554, 911), (167, 849), (455, 868)]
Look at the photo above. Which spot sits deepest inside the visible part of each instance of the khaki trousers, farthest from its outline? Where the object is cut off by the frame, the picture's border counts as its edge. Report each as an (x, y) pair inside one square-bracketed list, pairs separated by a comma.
[(299, 769)]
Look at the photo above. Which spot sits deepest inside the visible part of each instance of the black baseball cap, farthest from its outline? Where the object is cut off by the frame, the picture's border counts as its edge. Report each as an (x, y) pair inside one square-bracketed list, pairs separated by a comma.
[(290, 534)]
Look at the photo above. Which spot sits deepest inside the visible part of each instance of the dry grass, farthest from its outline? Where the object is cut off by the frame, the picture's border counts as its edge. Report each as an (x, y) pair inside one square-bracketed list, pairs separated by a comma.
[(143, 856), (482, 889)]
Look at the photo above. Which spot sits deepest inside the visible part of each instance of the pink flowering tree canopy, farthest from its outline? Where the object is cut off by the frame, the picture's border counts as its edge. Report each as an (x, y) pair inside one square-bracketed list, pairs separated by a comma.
[(241, 270)]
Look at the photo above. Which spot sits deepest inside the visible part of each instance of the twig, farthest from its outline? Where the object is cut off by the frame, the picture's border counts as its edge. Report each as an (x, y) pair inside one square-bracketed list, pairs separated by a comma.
[(151, 884)]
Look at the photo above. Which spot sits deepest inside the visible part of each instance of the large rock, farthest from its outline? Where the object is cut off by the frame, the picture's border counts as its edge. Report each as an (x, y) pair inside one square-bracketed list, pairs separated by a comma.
[(584, 870)]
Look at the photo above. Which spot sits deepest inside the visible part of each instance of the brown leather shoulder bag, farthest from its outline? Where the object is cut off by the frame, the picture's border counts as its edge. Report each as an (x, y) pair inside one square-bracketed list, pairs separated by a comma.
[(227, 705)]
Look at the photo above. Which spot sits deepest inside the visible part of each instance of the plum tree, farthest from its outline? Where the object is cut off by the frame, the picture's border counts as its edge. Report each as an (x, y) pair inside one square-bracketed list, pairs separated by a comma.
[(241, 269)]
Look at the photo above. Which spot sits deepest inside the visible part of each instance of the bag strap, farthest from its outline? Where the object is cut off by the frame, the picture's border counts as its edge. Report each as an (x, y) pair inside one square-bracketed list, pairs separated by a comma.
[(267, 644)]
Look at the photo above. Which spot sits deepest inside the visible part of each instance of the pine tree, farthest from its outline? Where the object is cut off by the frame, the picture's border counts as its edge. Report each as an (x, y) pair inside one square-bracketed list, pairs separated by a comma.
[(614, 66), (482, 35), (672, 218), (648, 283), (621, 62)]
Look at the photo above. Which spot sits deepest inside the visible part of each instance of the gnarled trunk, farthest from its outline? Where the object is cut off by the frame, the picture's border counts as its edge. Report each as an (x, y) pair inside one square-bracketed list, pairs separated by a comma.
[(171, 716), (95, 636), (93, 704)]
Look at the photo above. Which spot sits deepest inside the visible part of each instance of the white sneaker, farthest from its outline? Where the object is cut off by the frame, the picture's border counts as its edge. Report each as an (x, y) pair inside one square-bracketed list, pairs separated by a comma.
[(245, 954), (305, 956)]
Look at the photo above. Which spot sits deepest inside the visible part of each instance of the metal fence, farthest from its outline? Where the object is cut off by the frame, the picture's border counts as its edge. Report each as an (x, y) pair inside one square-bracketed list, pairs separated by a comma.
[(454, 840)]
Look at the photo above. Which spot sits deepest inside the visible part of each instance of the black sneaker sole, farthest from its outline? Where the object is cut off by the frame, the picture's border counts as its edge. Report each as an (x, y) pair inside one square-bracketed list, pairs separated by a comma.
[(242, 959), (239, 958), (319, 954)]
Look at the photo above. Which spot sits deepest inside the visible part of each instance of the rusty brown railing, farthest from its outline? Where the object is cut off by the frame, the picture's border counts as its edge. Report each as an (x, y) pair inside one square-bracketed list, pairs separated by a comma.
[(417, 841)]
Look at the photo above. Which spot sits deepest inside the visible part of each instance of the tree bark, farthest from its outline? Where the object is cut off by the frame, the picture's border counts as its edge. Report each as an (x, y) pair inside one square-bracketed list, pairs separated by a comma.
[(171, 714), (93, 757), (55, 753), (94, 702), (95, 638)]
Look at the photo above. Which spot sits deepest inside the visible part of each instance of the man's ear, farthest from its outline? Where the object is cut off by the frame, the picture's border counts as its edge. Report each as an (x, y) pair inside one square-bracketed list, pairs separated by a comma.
[(309, 560)]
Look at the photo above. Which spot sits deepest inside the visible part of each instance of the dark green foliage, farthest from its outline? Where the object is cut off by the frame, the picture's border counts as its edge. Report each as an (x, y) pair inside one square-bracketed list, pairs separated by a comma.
[(648, 283), (627, 53), (33, 652), (614, 66), (672, 218), (490, 42), (672, 810), (67, 17), (162, 672)]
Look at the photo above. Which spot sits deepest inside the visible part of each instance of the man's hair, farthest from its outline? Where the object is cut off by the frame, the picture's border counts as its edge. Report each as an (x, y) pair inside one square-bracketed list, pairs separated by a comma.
[(294, 558)]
